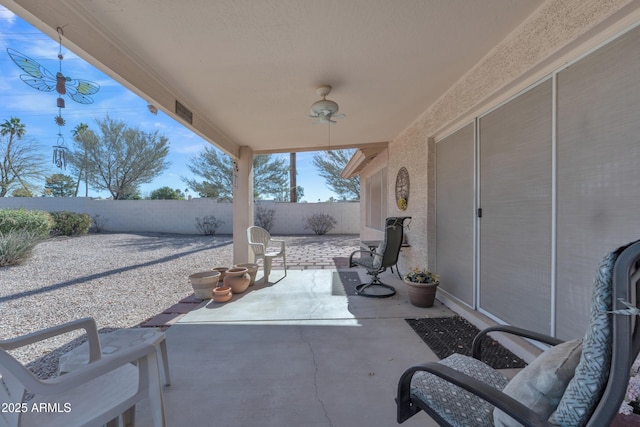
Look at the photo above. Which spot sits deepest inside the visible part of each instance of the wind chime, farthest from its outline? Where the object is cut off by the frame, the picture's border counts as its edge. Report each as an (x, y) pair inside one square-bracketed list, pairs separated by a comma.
[(38, 77)]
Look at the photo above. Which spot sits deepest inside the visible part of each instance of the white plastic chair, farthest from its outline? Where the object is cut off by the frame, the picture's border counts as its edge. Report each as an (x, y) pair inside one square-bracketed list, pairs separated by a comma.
[(259, 241), (95, 394)]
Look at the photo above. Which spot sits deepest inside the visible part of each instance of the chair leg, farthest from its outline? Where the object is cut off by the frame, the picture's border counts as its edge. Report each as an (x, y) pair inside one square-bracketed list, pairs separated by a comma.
[(284, 262), (267, 269), (166, 377), (156, 399)]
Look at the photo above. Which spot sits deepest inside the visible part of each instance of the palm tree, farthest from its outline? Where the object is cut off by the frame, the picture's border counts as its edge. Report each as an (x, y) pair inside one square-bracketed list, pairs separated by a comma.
[(79, 135), (16, 130), (293, 195), (13, 127)]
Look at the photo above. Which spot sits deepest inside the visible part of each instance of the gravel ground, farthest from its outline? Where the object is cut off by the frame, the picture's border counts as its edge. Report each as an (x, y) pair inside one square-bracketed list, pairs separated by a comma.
[(120, 280)]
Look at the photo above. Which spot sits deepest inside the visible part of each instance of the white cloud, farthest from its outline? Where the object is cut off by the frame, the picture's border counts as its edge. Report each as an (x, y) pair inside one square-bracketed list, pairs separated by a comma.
[(6, 16)]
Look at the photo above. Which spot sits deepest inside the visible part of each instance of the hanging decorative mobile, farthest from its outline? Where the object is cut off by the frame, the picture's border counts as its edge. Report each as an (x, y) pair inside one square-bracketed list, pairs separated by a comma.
[(60, 150), (38, 77)]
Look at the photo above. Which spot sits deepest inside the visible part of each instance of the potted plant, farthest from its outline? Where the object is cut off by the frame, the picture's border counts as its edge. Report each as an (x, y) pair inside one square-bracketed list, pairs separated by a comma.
[(631, 402), (422, 284)]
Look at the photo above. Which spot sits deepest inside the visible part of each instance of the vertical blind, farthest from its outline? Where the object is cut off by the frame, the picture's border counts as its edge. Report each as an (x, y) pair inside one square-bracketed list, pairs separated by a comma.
[(597, 179), (515, 144), (598, 150), (455, 213)]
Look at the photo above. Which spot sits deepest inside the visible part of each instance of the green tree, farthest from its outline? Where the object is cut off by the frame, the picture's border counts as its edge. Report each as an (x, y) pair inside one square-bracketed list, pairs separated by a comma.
[(330, 164), (59, 185), (133, 195), (285, 196), (21, 161), (22, 192), (83, 139), (167, 193), (123, 158), (270, 175)]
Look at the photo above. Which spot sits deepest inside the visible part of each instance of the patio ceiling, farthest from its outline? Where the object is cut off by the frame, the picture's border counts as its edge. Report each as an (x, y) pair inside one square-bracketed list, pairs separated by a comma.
[(248, 70)]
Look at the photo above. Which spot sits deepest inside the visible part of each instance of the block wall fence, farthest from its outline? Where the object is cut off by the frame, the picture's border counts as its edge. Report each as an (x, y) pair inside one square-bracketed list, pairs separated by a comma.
[(179, 216)]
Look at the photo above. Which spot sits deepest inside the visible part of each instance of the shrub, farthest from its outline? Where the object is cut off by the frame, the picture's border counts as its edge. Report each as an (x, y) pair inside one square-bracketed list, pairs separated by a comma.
[(17, 245), (98, 222), (36, 222), (264, 217), (320, 223), (70, 223), (208, 225)]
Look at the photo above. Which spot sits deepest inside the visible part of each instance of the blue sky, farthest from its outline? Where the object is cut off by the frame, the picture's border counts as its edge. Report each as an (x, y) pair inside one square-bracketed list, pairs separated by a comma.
[(37, 110)]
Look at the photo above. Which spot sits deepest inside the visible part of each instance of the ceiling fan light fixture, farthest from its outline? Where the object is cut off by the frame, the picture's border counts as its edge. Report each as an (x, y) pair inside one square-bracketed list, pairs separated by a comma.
[(324, 106), (325, 109)]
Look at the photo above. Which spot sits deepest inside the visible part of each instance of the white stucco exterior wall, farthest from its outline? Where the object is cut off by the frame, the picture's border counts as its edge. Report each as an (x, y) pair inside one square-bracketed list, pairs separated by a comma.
[(557, 32)]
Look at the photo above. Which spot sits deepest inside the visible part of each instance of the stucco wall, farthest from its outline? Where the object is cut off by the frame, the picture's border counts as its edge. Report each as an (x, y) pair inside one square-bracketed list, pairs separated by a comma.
[(555, 33), (179, 216), (528, 52), (410, 150)]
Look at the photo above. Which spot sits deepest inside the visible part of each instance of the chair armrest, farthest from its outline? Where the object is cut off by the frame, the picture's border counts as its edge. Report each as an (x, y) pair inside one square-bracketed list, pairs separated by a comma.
[(79, 376), (87, 323), (515, 409), (524, 333), (351, 264), (280, 241), (258, 248)]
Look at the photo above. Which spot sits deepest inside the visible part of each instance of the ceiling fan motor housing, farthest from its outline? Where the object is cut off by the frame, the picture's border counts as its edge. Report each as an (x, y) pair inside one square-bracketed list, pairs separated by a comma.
[(324, 107)]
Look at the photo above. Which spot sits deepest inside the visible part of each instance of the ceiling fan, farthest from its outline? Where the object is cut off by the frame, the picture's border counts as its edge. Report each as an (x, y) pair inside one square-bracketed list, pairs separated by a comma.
[(325, 110)]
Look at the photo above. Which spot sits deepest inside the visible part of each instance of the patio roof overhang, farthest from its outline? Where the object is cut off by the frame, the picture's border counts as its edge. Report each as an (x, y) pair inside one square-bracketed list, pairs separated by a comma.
[(248, 71), (361, 158)]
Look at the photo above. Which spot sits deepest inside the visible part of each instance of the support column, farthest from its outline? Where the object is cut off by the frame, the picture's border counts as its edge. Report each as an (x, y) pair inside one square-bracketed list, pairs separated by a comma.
[(242, 204)]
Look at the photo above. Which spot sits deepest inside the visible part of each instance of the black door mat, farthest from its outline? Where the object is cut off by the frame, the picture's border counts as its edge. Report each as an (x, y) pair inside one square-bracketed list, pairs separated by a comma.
[(344, 283), (448, 335)]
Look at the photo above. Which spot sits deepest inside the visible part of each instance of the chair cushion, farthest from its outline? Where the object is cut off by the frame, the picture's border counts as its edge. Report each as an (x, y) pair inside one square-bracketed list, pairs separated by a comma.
[(454, 404), (540, 385), (584, 390), (365, 261), (377, 259)]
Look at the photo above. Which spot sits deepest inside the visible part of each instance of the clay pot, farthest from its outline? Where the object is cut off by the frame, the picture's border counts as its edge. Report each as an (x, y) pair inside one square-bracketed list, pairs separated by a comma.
[(421, 294), (252, 269), (222, 294), (237, 279), (203, 283), (222, 271)]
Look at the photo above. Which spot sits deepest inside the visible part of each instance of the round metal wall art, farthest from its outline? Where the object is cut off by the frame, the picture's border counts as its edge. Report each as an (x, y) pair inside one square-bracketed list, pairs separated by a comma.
[(402, 189)]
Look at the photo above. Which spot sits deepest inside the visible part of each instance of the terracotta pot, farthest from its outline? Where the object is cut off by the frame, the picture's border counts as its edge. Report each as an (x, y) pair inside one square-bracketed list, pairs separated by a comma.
[(203, 283), (252, 269), (222, 271), (421, 294), (237, 279), (222, 294)]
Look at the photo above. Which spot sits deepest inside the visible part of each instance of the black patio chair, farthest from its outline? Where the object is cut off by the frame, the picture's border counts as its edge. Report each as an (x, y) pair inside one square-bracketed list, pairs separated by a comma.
[(383, 257), (574, 383)]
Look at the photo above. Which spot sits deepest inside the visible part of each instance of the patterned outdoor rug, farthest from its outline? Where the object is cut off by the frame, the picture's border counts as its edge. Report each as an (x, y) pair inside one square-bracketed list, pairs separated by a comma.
[(448, 335)]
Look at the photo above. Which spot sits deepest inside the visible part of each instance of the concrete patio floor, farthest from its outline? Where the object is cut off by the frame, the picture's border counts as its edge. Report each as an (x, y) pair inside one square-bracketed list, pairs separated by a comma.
[(293, 354)]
